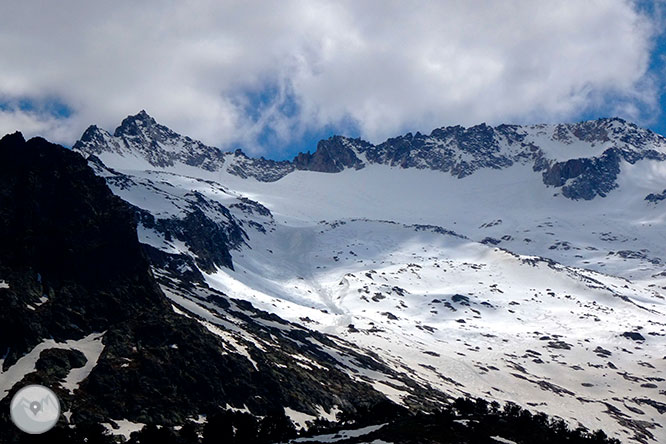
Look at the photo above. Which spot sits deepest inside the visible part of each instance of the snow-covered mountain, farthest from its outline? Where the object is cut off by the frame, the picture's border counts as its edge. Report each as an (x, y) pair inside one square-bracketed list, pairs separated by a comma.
[(84, 314), (514, 263), (582, 159)]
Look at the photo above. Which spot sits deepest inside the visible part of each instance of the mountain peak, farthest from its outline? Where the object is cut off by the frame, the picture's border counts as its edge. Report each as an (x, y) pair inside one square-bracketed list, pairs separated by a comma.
[(140, 140), (133, 125), (93, 132), (14, 138), (333, 155), (141, 116)]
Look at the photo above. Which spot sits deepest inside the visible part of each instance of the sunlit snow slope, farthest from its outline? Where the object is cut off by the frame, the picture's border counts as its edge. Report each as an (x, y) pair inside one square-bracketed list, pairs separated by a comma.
[(531, 272)]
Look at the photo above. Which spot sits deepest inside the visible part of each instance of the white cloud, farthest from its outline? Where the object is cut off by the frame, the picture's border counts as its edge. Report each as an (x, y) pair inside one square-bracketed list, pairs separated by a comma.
[(387, 66), (32, 123)]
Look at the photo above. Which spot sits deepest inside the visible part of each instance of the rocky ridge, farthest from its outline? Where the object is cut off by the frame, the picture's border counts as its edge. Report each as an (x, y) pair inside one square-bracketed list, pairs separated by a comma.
[(454, 150)]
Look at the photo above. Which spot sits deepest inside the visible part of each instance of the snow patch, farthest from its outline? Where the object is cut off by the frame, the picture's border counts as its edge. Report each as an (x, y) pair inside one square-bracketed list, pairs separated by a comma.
[(42, 300), (123, 427), (91, 346), (331, 415), (299, 419), (342, 435), (502, 440), (237, 410)]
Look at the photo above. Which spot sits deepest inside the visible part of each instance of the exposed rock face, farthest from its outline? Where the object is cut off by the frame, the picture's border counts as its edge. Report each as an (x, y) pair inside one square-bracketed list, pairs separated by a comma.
[(63, 234), (456, 150), (656, 197), (202, 226), (591, 177), (264, 170), (209, 241), (633, 335), (332, 155), (596, 176), (41, 226)]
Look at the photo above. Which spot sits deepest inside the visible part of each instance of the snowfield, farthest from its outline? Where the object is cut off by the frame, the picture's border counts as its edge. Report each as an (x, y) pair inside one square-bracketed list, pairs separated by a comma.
[(491, 285)]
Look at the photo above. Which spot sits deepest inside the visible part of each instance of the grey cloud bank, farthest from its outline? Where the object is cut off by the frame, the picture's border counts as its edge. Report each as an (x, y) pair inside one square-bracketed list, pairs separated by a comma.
[(230, 72)]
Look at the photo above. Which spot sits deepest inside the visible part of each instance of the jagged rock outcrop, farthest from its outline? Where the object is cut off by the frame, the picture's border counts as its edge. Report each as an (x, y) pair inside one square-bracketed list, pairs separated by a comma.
[(656, 197), (589, 177), (333, 155)]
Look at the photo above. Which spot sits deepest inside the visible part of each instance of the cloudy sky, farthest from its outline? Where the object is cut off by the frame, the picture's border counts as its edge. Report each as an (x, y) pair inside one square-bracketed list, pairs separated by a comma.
[(274, 77)]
